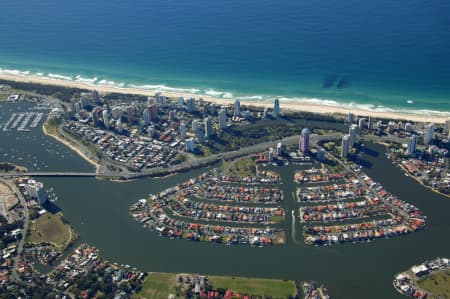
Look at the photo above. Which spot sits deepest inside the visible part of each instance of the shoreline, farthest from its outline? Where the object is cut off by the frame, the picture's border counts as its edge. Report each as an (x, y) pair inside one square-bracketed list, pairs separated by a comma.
[(286, 106), (70, 146)]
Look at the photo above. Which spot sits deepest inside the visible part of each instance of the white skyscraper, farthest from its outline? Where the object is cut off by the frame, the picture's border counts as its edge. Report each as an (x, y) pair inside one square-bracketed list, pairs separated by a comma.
[(276, 107), (237, 108), (362, 123), (352, 132), (119, 126), (266, 112), (180, 103), (222, 118), (208, 127), (194, 126), (190, 145), (36, 190), (412, 143), (106, 118), (271, 154), (428, 135), (183, 130), (345, 146), (279, 149)]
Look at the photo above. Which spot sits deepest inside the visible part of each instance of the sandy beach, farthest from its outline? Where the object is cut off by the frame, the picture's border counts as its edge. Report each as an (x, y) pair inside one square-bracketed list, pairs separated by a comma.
[(72, 147), (307, 107)]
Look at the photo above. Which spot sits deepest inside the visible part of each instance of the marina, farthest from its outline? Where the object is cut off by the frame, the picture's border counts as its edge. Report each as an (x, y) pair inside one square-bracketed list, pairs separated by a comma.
[(23, 121)]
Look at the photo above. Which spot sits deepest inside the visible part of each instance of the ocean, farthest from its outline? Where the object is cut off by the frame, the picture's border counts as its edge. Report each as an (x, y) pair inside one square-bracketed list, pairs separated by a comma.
[(381, 55)]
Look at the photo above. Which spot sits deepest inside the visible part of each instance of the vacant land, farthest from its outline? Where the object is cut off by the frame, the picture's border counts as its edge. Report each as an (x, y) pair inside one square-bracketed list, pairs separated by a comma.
[(7, 198), (158, 285), (275, 288), (438, 284), (50, 228), (241, 167)]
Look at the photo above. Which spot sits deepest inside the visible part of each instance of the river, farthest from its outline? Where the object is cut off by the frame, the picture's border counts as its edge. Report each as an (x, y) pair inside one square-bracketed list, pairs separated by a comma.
[(98, 210)]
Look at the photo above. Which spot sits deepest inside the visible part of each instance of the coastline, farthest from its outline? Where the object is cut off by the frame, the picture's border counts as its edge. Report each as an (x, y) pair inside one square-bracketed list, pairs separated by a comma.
[(285, 105), (71, 146)]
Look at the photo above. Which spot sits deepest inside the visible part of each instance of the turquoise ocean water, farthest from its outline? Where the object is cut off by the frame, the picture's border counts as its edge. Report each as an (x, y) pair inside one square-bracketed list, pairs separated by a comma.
[(379, 54)]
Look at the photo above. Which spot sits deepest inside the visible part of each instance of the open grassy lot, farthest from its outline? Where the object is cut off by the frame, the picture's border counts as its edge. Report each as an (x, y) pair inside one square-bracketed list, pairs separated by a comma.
[(158, 286), (438, 284), (275, 288), (50, 228), (242, 167)]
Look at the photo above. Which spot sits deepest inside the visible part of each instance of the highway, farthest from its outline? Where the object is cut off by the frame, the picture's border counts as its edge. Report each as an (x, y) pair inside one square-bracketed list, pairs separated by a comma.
[(187, 165)]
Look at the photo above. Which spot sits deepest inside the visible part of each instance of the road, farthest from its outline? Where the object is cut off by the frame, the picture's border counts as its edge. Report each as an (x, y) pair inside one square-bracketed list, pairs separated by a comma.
[(25, 227), (187, 165)]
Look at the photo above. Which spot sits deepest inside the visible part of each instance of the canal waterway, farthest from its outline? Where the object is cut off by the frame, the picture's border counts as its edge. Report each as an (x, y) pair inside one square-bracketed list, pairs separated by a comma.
[(98, 210)]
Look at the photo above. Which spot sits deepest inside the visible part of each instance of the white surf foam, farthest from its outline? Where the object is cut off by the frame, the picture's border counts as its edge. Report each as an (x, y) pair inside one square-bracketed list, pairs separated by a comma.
[(58, 76), (91, 81), (162, 88)]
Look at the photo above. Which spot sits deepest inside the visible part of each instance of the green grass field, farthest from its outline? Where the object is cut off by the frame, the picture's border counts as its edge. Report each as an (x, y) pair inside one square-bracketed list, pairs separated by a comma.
[(49, 228), (275, 288), (438, 284), (241, 167), (158, 286)]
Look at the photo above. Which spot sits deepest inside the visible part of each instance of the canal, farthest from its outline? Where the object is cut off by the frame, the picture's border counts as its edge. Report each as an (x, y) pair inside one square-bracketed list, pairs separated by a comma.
[(98, 210)]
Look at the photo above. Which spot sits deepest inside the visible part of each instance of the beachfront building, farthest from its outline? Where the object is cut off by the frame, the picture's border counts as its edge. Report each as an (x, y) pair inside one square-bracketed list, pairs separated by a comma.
[(409, 127), (183, 130), (208, 127), (353, 132), (370, 123), (180, 103), (237, 108), (96, 97), (276, 107), (222, 118), (345, 145), (412, 143), (191, 105), (362, 122), (447, 127), (266, 112), (304, 140), (428, 135), (36, 191), (350, 118)]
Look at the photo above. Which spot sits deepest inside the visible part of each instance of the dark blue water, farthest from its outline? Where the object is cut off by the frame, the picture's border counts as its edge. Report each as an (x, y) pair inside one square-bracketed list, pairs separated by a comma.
[(382, 52)]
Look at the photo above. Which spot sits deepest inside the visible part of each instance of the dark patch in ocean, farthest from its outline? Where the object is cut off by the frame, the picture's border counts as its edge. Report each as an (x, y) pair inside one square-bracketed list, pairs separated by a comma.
[(329, 81), (343, 83)]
